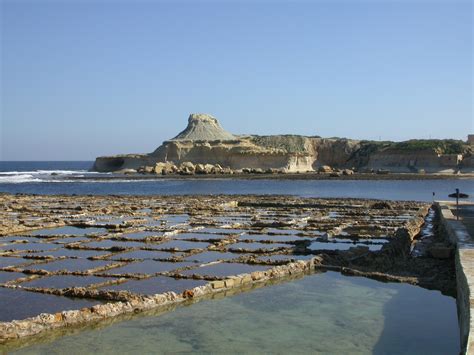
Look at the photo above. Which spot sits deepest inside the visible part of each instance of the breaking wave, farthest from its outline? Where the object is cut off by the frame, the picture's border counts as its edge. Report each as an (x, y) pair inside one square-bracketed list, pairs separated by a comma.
[(18, 177)]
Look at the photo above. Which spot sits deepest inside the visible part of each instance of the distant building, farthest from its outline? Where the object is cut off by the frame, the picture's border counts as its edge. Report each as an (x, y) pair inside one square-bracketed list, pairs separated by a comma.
[(470, 139)]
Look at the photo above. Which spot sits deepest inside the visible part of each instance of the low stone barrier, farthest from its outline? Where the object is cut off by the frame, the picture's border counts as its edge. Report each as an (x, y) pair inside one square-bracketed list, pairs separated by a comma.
[(464, 259), (35, 325)]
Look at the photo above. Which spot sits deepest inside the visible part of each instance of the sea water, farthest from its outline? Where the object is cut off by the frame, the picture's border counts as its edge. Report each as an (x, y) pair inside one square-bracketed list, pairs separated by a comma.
[(55, 178)]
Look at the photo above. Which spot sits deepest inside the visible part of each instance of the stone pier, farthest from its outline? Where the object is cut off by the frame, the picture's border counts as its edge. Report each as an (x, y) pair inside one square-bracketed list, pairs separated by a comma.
[(460, 232)]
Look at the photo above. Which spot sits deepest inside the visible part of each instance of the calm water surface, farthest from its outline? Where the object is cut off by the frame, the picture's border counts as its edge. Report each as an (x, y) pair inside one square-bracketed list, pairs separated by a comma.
[(321, 313), (50, 178)]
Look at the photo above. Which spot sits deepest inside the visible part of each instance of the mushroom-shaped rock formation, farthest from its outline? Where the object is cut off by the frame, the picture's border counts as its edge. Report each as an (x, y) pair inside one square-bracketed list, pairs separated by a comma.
[(204, 141), (203, 127)]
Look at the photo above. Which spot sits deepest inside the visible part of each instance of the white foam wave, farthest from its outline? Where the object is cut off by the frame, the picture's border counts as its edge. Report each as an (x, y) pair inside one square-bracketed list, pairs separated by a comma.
[(48, 172), (18, 179)]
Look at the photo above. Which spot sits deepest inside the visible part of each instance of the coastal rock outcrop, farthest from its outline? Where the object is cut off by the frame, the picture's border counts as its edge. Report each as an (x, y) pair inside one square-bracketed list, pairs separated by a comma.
[(205, 147), (203, 127), (211, 149)]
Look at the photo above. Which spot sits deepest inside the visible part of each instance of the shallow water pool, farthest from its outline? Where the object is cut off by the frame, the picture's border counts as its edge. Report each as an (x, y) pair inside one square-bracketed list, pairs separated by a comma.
[(69, 230), (320, 313)]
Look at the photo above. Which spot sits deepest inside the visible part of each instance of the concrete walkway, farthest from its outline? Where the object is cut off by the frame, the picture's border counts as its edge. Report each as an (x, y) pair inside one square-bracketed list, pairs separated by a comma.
[(461, 233), (466, 216)]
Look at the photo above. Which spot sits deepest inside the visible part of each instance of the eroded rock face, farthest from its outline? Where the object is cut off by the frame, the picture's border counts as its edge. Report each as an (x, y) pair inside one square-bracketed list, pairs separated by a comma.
[(236, 154), (120, 162), (203, 127), (402, 161), (204, 141)]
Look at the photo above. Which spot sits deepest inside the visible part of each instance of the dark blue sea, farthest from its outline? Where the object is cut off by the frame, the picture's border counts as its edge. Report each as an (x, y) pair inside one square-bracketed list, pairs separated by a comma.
[(55, 178)]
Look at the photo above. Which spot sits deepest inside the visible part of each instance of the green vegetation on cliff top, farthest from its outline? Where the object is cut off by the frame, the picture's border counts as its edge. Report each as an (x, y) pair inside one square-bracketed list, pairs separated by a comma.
[(440, 146), (296, 144)]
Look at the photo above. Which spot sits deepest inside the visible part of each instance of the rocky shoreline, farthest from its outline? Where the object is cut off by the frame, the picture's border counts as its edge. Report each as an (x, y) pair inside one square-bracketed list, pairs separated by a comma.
[(275, 176)]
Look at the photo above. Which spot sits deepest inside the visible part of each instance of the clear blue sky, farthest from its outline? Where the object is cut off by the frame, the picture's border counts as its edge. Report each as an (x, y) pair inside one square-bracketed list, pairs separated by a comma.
[(87, 78)]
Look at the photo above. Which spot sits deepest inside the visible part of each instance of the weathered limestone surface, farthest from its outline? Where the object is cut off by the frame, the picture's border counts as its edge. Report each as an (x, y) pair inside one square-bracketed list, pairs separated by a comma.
[(427, 159), (263, 237), (204, 141), (464, 242), (203, 127)]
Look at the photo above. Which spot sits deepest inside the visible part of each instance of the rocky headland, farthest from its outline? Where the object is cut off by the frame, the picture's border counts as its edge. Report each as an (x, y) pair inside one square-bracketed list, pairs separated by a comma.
[(204, 147)]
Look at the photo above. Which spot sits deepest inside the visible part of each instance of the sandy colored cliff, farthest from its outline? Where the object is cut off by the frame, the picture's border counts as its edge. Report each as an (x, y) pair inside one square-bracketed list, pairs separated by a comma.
[(205, 141)]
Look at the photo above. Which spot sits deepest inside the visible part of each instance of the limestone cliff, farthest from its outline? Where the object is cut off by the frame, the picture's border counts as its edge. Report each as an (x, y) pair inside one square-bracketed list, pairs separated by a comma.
[(204, 141), (433, 156), (203, 127)]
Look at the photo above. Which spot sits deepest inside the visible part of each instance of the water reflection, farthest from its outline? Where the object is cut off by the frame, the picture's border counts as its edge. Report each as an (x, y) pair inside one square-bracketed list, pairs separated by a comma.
[(320, 313)]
